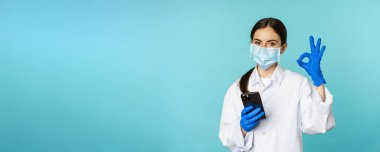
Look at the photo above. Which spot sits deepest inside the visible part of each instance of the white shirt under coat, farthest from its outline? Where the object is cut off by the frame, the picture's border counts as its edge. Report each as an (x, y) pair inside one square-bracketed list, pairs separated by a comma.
[(292, 106)]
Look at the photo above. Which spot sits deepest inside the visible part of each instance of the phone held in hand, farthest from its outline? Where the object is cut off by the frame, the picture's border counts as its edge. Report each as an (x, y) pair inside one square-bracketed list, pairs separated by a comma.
[(252, 99)]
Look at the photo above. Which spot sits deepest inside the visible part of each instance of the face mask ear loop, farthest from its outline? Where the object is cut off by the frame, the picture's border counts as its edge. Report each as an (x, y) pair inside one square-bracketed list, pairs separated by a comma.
[(279, 53), (251, 51)]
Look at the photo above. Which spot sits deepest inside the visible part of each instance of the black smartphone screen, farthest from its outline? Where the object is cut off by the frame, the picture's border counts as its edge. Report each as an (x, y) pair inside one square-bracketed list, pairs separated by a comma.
[(253, 99)]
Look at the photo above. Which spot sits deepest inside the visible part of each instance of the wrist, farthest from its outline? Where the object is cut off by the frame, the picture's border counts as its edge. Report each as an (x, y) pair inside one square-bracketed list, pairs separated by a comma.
[(318, 80), (243, 131)]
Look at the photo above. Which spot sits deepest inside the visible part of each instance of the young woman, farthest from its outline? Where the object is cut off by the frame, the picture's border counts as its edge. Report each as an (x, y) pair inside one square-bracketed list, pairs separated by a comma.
[(292, 104)]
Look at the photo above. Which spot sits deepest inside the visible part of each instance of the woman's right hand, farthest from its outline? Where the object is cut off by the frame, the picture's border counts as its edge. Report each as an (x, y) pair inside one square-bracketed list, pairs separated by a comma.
[(250, 118)]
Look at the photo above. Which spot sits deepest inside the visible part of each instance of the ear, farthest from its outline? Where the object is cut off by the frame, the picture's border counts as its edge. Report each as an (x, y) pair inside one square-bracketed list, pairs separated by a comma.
[(283, 48)]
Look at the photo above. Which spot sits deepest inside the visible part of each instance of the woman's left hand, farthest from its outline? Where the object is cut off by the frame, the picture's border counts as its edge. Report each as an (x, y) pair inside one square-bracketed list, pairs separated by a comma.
[(313, 67)]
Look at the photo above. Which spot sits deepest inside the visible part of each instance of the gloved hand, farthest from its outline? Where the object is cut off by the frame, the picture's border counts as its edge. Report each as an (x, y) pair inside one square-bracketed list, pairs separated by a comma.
[(250, 118), (313, 67)]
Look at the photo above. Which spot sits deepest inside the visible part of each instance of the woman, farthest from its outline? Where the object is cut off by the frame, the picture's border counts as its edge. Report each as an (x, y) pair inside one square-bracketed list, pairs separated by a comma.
[(291, 103)]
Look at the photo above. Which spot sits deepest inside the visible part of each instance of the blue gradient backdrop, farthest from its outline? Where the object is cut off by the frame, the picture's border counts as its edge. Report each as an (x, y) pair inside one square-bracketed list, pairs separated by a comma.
[(150, 75)]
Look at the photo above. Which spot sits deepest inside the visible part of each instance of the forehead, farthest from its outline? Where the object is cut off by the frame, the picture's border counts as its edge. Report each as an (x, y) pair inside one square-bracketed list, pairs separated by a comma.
[(265, 34)]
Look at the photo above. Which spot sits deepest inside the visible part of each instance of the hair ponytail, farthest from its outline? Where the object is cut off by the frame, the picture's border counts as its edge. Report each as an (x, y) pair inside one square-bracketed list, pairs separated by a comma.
[(243, 83)]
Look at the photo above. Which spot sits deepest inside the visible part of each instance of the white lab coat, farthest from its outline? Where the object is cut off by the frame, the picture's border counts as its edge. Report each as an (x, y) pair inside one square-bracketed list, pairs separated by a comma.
[(292, 106)]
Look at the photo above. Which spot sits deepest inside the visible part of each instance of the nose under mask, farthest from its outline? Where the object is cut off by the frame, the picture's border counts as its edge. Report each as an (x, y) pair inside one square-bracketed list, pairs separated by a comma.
[(265, 57)]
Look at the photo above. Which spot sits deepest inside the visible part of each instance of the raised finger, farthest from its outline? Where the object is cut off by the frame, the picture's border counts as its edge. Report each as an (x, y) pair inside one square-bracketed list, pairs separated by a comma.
[(318, 43), (322, 50), (312, 46)]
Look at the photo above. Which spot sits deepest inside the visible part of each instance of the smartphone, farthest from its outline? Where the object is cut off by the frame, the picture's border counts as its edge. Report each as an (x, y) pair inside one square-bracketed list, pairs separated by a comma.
[(253, 99)]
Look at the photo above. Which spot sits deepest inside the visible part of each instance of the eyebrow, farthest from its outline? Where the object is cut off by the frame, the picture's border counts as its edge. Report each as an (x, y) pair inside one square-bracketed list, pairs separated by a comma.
[(267, 41)]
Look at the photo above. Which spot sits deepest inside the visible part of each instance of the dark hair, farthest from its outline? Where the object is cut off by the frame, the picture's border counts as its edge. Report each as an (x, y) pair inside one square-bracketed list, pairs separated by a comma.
[(279, 28)]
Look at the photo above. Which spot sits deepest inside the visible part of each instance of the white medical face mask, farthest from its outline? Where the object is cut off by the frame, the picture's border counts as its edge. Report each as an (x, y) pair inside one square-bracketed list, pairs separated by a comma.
[(265, 57)]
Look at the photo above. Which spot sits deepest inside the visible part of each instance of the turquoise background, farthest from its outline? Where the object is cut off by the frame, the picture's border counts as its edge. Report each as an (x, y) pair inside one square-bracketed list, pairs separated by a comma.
[(109, 76)]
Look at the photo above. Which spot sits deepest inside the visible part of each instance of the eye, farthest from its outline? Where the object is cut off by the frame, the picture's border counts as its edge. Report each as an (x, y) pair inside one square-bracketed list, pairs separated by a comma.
[(272, 44), (257, 42)]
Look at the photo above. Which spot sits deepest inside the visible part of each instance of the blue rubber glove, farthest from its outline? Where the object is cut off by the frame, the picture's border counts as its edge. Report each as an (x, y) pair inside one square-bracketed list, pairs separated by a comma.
[(250, 118), (313, 67)]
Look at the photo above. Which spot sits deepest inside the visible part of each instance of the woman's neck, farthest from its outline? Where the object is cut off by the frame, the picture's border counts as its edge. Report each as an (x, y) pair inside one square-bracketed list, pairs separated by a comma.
[(268, 72)]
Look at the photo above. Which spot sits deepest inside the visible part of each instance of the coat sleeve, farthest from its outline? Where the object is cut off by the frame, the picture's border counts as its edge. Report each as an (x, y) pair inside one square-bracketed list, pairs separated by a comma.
[(229, 132), (316, 115)]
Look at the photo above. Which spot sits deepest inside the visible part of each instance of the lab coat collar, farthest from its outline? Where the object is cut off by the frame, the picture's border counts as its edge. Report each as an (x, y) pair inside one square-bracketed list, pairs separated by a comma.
[(276, 76)]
